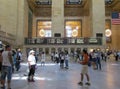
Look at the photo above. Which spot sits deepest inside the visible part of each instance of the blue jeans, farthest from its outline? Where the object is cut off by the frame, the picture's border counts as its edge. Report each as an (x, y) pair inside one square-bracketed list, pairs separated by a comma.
[(6, 71), (98, 63), (66, 63), (17, 65)]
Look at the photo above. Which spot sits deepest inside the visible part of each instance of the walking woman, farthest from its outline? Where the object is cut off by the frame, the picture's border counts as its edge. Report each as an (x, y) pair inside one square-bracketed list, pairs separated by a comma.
[(31, 64)]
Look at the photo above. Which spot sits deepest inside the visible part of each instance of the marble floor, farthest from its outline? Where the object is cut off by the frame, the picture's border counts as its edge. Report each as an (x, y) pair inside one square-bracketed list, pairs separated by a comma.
[(51, 76)]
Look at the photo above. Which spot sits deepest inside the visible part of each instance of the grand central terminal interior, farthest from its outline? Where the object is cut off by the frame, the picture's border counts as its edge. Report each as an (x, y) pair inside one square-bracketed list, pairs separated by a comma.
[(47, 38), (52, 25)]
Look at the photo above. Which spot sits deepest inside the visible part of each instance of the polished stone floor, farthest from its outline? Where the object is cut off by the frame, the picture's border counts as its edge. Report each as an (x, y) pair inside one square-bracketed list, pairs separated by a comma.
[(51, 76)]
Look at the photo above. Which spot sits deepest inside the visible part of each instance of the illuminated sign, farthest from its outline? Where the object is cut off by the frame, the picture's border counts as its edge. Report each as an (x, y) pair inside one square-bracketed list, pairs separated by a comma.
[(93, 40), (80, 41)]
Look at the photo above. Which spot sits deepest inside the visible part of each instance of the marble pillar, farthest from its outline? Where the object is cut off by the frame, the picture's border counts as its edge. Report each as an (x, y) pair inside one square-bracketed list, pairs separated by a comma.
[(58, 17), (97, 18), (20, 23)]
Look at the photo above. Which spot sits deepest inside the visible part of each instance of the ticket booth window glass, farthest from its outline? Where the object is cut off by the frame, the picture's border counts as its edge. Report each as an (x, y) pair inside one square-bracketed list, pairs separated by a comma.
[(44, 29), (73, 29)]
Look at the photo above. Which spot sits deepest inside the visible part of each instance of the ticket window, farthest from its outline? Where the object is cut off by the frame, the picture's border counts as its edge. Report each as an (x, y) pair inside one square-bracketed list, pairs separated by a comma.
[(59, 49), (46, 50), (40, 50), (72, 50), (53, 50), (78, 50), (66, 49)]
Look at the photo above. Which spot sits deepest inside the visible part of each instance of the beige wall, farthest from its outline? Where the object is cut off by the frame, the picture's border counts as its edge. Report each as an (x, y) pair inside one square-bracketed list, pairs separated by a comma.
[(26, 19), (34, 27), (86, 27), (12, 21), (8, 16), (44, 12), (20, 22), (115, 37), (70, 11)]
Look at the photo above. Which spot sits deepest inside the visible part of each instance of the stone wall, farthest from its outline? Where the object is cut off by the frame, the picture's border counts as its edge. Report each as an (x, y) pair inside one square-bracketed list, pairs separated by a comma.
[(12, 18), (8, 16), (26, 9), (43, 12), (115, 44)]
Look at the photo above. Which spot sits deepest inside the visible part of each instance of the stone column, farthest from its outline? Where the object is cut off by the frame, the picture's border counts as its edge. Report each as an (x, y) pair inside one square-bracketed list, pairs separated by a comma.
[(20, 22), (50, 50), (58, 17), (97, 18), (43, 49), (69, 50)]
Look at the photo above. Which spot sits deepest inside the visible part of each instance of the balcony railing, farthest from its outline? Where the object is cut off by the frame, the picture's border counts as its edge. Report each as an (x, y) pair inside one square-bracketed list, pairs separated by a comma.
[(63, 41)]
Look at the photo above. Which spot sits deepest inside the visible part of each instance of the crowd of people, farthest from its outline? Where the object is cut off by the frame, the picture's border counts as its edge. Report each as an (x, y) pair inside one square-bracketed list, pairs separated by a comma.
[(61, 57), (10, 61)]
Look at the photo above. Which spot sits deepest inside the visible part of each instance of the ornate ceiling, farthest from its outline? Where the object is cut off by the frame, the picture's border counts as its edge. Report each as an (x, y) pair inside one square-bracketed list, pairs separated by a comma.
[(110, 5)]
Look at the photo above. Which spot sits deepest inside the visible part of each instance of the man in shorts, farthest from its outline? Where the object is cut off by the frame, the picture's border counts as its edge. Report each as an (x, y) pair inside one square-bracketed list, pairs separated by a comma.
[(6, 67), (84, 70)]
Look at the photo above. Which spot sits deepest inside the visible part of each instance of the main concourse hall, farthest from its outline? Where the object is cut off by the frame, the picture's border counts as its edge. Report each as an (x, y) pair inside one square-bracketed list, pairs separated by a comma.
[(56, 33)]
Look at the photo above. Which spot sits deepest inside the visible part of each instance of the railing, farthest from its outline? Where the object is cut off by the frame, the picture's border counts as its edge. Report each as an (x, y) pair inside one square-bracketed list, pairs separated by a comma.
[(63, 41)]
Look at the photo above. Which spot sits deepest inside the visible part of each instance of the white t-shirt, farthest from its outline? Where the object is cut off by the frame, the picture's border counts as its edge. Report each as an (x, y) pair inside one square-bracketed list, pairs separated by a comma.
[(56, 55), (43, 58), (31, 60), (67, 57)]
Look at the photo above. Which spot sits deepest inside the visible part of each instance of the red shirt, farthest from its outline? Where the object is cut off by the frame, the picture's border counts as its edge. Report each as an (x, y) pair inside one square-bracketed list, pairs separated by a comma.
[(85, 59)]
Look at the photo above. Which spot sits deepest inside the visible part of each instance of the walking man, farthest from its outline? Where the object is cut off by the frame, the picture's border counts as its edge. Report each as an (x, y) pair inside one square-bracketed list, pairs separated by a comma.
[(84, 70)]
